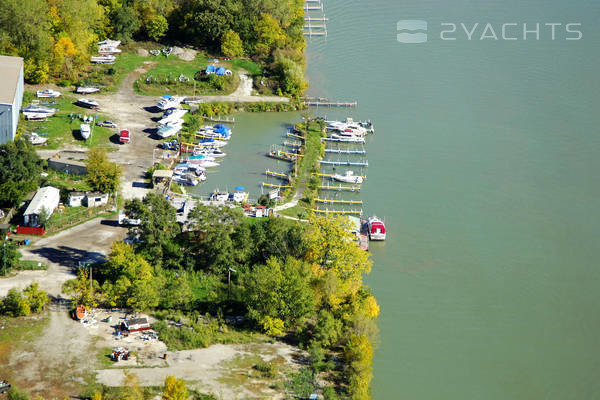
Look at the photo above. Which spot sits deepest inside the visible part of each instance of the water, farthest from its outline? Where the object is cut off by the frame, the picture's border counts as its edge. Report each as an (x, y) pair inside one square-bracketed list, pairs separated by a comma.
[(484, 165)]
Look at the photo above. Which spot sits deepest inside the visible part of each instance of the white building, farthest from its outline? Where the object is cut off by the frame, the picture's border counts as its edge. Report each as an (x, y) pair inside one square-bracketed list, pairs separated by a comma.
[(11, 96), (45, 201), (89, 199), (75, 199)]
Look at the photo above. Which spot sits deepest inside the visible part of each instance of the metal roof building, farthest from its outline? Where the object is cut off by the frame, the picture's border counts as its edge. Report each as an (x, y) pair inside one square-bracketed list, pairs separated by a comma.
[(46, 199), (11, 96)]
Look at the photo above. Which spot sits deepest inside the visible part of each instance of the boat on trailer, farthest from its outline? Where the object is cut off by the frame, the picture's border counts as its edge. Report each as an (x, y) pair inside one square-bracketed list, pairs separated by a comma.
[(46, 93), (88, 103), (87, 89)]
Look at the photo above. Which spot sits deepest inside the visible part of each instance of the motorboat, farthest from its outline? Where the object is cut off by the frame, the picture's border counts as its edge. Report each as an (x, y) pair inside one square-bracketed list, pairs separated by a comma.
[(125, 136), (212, 152), (88, 103), (36, 108), (212, 142), (219, 196), (188, 167), (174, 115), (239, 196), (166, 131), (85, 131), (348, 126), (167, 101), (348, 177), (204, 163), (186, 179), (46, 93), (104, 59), (376, 228), (87, 89), (35, 116), (350, 139), (108, 50), (36, 139), (109, 43), (201, 157)]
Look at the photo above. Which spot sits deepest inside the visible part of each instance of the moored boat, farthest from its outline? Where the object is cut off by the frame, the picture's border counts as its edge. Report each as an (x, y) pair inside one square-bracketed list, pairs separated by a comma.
[(186, 179), (376, 228), (219, 196), (346, 138), (212, 152), (348, 177), (239, 196)]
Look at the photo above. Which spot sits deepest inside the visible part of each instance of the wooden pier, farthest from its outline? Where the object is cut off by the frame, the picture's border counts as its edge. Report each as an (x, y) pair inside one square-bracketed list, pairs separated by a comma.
[(349, 163), (340, 151), (329, 104), (340, 188), (328, 201), (284, 155), (276, 186), (294, 145), (277, 175), (227, 120), (293, 135)]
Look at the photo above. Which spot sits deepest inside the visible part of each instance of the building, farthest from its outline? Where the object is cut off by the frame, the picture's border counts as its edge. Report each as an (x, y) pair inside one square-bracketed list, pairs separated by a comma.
[(45, 201), (11, 96), (88, 199), (69, 162)]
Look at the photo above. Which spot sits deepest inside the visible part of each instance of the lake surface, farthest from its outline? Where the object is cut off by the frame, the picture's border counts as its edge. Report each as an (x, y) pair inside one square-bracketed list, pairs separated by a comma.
[(484, 165)]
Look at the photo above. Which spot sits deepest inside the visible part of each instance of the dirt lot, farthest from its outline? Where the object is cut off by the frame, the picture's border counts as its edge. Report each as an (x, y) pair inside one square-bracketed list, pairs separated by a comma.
[(62, 252)]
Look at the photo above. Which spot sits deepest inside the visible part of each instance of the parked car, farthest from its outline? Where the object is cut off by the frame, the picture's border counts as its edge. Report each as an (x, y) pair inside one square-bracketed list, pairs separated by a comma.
[(107, 124)]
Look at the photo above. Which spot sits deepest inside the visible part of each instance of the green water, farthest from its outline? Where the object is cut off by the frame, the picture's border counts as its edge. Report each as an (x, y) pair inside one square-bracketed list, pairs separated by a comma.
[(484, 166)]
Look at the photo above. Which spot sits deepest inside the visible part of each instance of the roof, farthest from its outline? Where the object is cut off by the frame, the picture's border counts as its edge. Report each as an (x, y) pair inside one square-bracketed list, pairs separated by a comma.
[(162, 173), (44, 198), (74, 194), (10, 69), (137, 321)]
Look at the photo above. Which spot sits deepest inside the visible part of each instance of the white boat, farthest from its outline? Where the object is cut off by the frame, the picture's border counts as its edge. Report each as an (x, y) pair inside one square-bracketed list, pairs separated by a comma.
[(189, 167), (175, 115), (204, 163), (376, 228), (87, 89), (108, 50), (36, 139), (36, 108), (105, 59), (212, 143), (47, 93), (109, 43), (348, 177), (348, 126), (167, 101), (168, 130), (85, 131), (350, 139), (219, 196), (34, 115), (177, 122), (239, 196), (88, 103), (186, 179), (216, 153)]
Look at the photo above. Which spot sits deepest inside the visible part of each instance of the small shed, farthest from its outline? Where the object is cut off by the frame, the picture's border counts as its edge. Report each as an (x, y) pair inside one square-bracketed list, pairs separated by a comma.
[(136, 325), (210, 69), (95, 199), (161, 179), (75, 199), (45, 201)]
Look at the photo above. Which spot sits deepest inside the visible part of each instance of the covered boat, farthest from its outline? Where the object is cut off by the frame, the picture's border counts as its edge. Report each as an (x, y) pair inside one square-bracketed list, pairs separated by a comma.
[(348, 177), (376, 228), (47, 93)]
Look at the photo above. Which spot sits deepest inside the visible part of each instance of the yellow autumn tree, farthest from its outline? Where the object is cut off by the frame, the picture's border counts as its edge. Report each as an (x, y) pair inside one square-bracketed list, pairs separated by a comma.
[(64, 53), (358, 355), (175, 389)]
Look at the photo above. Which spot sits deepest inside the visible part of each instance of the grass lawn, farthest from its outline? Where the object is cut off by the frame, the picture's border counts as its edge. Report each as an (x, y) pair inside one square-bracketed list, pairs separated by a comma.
[(63, 127), (65, 182), (28, 265), (248, 65)]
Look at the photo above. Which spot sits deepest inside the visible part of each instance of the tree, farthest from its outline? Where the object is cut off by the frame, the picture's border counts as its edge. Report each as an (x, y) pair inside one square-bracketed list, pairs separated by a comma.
[(36, 298), (358, 355), (20, 170), (9, 254), (125, 23), (327, 329), (103, 175), (231, 44), (64, 53), (270, 35), (291, 76), (175, 389), (157, 27), (130, 388), (157, 231), (278, 290), (81, 290)]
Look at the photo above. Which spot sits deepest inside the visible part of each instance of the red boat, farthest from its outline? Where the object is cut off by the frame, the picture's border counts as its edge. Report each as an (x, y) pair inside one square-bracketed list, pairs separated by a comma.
[(125, 136), (376, 228)]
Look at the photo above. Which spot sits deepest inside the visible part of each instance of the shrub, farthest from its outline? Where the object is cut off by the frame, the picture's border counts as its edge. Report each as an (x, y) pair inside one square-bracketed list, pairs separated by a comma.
[(267, 369)]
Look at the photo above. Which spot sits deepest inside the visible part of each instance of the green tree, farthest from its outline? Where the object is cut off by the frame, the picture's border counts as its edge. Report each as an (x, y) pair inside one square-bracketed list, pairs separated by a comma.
[(157, 231), (291, 76), (9, 254), (125, 23), (231, 44), (175, 389), (327, 329), (358, 354), (279, 290), (36, 298), (270, 35), (20, 170), (103, 175), (82, 290), (157, 27)]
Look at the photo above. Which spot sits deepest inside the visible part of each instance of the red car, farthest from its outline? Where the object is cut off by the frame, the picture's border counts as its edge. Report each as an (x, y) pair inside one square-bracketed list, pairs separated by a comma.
[(125, 136)]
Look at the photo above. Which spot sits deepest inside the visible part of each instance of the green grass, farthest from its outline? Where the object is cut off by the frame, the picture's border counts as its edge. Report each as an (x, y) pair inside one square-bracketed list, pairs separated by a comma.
[(73, 215), (66, 182), (28, 265), (248, 65), (294, 212), (62, 129)]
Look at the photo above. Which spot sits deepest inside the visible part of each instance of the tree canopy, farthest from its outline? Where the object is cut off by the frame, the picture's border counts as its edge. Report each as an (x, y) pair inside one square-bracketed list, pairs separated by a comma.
[(20, 170), (102, 174)]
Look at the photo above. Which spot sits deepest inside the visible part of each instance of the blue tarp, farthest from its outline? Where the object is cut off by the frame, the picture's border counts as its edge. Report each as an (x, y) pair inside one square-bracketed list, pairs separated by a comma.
[(210, 69), (221, 71), (166, 96)]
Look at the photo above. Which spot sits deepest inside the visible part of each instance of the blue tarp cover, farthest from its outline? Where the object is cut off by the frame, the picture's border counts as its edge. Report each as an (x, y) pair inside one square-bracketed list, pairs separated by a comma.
[(221, 71), (210, 68)]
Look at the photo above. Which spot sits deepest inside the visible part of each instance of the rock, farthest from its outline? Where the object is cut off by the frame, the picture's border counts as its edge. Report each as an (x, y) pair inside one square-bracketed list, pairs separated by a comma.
[(184, 54), (143, 53)]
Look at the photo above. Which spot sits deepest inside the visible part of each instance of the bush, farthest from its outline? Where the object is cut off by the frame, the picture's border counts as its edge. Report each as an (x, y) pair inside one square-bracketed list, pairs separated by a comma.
[(16, 394), (64, 83), (268, 369)]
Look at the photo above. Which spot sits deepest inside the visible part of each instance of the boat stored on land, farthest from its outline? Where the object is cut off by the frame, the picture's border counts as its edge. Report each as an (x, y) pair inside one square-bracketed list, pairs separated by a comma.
[(124, 136), (87, 89), (85, 131), (46, 93), (166, 131), (170, 116), (36, 139), (87, 103), (167, 101), (104, 59)]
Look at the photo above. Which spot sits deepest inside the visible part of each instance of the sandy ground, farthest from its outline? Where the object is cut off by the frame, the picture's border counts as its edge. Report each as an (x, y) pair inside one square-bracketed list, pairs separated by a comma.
[(62, 253)]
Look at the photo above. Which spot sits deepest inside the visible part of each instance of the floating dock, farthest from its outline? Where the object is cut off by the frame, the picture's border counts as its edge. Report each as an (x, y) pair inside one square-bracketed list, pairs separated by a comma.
[(340, 188), (328, 139), (356, 212), (328, 201), (220, 119), (294, 145), (284, 155), (329, 104), (277, 175), (340, 151), (276, 186), (293, 135), (352, 163)]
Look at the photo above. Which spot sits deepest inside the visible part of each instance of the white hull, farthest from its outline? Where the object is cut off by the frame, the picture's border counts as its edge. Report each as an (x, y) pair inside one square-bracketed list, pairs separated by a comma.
[(348, 178), (108, 59), (87, 103), (47, 93), (36, 115), (171, 102), (87, 90), (174, 116), (168, 131), (36, 139), (349, 139), (85, 131)]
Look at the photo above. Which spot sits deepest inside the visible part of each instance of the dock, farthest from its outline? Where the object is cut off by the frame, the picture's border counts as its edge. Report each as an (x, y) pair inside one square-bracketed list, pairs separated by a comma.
[(276, 186), (328, 201), (355, 212), (329, 104), (293, 135), (328, 139), (228, 120), (277, 175), (340, 151), (349, 163), (294, 145), (284, 155), (332, 175), (340, 188)]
